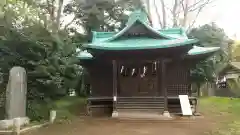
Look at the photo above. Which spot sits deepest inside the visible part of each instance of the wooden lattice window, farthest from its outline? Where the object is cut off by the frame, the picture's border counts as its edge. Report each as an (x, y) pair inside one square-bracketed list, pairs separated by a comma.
[(177, 80)]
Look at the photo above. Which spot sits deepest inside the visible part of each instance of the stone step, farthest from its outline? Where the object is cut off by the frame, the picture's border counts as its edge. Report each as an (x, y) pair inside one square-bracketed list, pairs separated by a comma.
[(128, 115), (140, 99), (140, 107), (141, 102)]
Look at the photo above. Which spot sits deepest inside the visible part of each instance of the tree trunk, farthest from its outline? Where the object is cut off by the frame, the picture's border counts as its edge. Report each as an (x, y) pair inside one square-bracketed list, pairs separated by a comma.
[(174, 13), (198, 91), (211, 89), (164, 21), (185, 12), (60, 5), (185, 17), (51, 9), (158, 14), (83, 91)]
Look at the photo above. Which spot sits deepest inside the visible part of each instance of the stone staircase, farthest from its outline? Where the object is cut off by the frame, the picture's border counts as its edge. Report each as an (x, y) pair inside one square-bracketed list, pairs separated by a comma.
[(140, 104), (148, 108)]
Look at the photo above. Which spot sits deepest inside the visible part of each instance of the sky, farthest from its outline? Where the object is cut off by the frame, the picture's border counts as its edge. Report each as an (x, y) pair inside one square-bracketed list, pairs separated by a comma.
[(224, 12)]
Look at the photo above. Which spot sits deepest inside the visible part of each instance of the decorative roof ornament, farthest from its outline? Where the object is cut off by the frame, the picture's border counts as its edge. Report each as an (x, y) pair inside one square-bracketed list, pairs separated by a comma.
[(138, 14)]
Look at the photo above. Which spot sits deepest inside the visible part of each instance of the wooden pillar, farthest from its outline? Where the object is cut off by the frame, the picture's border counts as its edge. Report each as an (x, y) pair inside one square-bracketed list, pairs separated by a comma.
[(114, 63), (158, 73), (190, 89), (163, 84)]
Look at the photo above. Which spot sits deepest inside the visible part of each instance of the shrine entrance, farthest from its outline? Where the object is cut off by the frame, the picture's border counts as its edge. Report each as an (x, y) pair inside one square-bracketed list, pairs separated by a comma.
[(138, 79)]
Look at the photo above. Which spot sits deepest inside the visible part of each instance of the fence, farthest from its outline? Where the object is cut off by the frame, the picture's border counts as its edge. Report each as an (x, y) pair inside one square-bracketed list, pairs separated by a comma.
[(213, 90)]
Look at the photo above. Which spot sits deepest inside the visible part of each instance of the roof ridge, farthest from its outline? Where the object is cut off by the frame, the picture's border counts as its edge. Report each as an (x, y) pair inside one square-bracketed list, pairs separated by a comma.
[(146, 25)]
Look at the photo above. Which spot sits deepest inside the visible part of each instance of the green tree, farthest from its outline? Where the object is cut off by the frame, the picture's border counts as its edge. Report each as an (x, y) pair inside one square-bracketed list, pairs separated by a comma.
[(36, 39), (210, 35), (100, 16), (236, 51), (40, 45)]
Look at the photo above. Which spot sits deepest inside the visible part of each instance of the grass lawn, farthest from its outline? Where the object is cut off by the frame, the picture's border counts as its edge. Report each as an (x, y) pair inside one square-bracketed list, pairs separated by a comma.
[(225, 112)]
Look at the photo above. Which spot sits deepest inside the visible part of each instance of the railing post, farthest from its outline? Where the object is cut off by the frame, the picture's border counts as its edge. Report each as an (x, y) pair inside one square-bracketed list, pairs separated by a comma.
[(164, 88), (53, 115), (114, 113)]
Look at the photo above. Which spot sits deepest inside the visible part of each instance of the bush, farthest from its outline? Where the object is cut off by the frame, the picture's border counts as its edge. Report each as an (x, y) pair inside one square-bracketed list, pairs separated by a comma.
[(67, 108), (38, 111)]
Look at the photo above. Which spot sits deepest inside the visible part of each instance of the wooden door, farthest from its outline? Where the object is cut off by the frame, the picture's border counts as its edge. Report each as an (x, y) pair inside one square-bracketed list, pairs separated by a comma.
[(128, 83), (140, 83), (147, 86), (147, 80)]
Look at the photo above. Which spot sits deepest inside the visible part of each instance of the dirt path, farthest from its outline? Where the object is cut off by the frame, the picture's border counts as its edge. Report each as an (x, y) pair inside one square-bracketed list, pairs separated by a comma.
[(105, 126)]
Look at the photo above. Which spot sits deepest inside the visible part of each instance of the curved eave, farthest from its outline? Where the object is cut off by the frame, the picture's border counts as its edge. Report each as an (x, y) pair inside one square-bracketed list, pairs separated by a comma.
[(202, 52), (123, 47), (119, 34), (84, 55), (84, 58)]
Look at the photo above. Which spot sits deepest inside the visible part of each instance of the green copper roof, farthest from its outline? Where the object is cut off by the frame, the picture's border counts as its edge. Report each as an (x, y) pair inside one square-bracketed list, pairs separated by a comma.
[(150, 38), (140, 43), (138, 20), (176, 33), (149, 28), (138, 15), (84, 55), (196, 50)]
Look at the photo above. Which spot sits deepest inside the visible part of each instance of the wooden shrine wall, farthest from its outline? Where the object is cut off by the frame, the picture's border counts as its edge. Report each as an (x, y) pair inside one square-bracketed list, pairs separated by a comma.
[(178, 79), (101, 80)]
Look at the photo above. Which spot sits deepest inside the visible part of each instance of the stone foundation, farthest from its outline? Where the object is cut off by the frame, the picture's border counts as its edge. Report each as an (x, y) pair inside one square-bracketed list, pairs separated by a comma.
[(166, 114), (4, 124), (142, 116), (100, 112)]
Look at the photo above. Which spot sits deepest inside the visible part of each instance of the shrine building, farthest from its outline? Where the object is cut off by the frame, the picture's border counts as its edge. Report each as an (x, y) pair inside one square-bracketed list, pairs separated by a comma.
[(141, 69)]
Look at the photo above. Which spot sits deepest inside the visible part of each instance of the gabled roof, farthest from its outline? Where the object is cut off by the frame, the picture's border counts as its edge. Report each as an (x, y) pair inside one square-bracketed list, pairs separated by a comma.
[(236, 65), (140, 43), (231, 65), (151, 38), (176, 33), (164, 38), (157, 33), (139, 17)]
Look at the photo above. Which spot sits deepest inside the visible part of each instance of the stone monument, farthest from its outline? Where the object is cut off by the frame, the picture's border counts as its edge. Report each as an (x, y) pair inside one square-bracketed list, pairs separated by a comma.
[(16, 97)]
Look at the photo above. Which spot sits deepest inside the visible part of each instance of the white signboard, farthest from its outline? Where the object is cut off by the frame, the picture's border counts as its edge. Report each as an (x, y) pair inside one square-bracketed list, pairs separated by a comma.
[(185, 105)]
